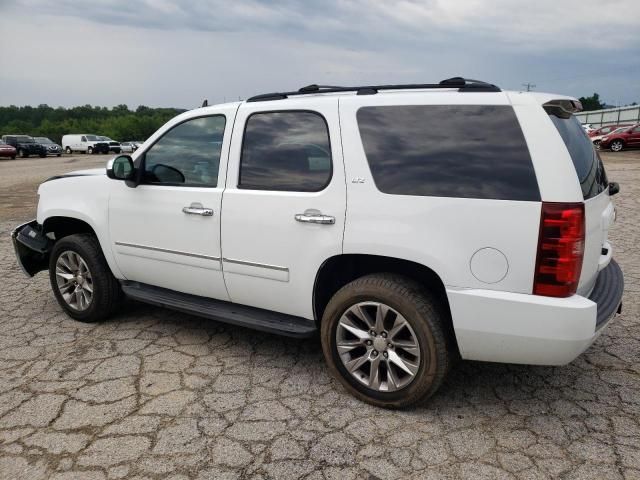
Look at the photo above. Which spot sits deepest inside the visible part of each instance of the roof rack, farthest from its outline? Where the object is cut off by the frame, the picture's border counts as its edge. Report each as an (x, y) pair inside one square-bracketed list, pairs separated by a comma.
[(462, 84)]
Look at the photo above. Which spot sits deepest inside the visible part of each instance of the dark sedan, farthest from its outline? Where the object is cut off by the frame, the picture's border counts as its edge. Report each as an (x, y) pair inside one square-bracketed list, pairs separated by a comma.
[(52, 147)]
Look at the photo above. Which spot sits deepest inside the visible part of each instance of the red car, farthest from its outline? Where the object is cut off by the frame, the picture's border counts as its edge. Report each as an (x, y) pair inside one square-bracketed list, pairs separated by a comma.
[(606, 129), (7, 150), (629, 138)]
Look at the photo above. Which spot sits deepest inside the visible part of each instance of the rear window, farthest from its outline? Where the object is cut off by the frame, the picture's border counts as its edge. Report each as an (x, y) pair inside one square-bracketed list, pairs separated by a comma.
[(465, 151), (586, 160)]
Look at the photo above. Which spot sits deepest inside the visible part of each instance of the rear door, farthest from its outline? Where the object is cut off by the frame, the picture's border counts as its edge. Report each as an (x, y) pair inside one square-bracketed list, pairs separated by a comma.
[(284, 204), (599, 211)]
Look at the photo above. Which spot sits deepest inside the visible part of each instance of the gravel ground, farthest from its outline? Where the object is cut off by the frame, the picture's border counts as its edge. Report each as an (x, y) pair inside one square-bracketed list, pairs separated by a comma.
[(158, 394)]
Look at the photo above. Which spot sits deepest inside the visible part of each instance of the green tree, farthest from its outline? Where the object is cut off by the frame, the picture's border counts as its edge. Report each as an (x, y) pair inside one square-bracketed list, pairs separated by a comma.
[(591, 103)]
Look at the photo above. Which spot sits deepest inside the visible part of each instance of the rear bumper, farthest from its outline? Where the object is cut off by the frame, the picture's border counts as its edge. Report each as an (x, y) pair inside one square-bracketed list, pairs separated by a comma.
[(507, 327)]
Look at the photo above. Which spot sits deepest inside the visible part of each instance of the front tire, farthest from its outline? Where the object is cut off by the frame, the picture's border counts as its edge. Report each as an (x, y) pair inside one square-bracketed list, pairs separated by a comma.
[(23, 153), (384, 338), (616, 145), (90, 150), (68, 150), (81, 279)]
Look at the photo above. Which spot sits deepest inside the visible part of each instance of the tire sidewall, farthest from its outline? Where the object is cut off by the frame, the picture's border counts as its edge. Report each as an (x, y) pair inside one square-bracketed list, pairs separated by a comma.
[(66, 244), (423, 381)]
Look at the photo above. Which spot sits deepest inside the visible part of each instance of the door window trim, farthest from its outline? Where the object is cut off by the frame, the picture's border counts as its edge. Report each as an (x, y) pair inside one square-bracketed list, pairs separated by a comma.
[(289, 110), (142, 158)]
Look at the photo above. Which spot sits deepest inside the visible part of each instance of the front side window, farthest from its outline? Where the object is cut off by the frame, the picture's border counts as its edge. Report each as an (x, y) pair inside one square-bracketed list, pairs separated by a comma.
[(464, 151), (285, 151), (187, 155)]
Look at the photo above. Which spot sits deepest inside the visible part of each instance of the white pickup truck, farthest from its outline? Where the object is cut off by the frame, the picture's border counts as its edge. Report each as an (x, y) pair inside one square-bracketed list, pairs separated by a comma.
[(409, 225)]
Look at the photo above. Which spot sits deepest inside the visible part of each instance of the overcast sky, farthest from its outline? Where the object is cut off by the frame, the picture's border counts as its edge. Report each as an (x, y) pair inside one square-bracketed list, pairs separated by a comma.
[(178, 52)]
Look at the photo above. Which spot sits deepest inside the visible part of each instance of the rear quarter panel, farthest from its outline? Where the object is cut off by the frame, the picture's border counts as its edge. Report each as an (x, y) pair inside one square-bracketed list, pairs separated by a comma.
[(439, 232)]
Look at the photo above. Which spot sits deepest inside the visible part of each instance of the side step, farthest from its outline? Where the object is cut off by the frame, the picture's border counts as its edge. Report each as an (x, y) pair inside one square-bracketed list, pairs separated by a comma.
[(227, 312)]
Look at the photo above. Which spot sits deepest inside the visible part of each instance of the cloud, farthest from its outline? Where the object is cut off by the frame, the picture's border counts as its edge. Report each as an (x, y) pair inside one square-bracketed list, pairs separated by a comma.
[(174, 52)]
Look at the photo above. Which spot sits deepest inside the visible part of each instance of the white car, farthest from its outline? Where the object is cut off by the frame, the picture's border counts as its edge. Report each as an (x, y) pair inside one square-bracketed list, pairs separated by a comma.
[(588, 127), (407, 225), (128, 147), (84, 143)]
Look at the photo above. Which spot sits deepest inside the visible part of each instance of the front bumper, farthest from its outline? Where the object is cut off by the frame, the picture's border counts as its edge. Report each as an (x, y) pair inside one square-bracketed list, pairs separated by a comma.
[(508, 327), (32, 247)]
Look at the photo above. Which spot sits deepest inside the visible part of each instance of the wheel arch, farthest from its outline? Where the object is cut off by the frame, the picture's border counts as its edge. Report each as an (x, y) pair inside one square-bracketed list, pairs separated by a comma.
[(63, 226), (339, 270)]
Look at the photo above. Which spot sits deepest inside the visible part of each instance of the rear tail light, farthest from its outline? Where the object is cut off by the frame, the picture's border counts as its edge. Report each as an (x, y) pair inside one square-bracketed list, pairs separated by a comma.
[(560, 249)]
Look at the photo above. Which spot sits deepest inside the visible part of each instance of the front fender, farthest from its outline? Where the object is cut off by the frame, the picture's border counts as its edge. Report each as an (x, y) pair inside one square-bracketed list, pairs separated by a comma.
[(84, 198)]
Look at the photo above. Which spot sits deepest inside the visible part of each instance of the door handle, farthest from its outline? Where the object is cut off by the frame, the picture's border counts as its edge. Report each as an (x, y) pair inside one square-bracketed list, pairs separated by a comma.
[(197, 209), (315, 216)]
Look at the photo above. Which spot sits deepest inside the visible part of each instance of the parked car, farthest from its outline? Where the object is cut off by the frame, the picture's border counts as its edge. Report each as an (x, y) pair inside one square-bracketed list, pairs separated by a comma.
[(128, 147), (25, 145), (7, 150), (51, 147), (597, 138), (113, 145), (621, 139), (402, 252), (606, 129), (84, 143)]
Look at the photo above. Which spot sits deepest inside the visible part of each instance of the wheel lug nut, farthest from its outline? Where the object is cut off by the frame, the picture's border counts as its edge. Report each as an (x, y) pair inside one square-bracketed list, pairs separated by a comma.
[(369, 342), (374, 353), (384, 334), (372, 333), (390, 345), (385, 354)]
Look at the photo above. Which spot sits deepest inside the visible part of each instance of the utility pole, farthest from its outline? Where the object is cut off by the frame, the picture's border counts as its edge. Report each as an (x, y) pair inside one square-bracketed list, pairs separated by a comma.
[(530, 86)]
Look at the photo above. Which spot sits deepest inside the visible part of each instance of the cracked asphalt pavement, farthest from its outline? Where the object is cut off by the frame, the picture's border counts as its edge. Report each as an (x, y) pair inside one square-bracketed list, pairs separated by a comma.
[(157, 394)]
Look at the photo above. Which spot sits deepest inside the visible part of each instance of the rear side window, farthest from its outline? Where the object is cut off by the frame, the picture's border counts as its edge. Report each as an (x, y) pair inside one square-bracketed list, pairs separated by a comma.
[(587, 162), (466, 151), (285, 151)]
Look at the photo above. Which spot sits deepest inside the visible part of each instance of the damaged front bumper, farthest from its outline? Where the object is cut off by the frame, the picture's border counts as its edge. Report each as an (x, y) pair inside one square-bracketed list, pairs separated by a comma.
[(32, 247)]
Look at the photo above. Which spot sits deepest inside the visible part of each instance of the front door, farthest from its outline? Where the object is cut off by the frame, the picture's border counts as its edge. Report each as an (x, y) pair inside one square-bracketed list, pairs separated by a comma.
[(284, 204), (633, 140), (166, 231)]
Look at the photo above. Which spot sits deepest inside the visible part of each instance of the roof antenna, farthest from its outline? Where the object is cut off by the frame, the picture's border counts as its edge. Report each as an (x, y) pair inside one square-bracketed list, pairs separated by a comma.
[(205, 103)]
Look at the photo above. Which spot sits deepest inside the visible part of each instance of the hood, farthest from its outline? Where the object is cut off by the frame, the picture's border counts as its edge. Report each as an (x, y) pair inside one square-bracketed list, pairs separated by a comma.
[(80, 173)]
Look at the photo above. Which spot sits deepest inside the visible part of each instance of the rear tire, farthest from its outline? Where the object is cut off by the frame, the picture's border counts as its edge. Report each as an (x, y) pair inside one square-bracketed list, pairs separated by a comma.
[(427, 351), (13, 157), (23, 153), (92, 279), (90, 150), (616, 146), (68, 150)]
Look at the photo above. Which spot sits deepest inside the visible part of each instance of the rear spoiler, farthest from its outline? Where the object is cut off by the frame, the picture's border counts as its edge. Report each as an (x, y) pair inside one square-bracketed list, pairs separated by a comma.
[(569, 106)]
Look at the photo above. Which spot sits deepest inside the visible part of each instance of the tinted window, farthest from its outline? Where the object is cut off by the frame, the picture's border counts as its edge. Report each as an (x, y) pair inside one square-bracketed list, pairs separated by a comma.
[(188, 154), (469, 151), (285, 151), (586, 160)]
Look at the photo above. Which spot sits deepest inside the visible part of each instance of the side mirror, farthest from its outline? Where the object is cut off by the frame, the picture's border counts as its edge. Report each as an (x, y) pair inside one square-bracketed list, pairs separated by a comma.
[(614, 188), (120, 168)]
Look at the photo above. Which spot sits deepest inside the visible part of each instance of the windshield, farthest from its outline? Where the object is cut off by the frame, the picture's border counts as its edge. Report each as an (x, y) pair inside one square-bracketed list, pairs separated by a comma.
[(25, 139), (43, 140), (619, 130)]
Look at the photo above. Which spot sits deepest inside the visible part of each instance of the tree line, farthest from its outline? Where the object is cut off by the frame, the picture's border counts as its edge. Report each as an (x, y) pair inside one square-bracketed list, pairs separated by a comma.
[(118, 122)]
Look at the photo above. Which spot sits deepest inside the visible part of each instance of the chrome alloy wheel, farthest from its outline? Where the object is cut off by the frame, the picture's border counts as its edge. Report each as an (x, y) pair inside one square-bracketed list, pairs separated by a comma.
[(74, 280), (377, 346), (616, 146)]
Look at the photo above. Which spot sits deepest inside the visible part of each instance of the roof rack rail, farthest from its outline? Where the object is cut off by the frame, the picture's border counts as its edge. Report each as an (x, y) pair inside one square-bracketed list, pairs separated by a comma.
[(462, 84)]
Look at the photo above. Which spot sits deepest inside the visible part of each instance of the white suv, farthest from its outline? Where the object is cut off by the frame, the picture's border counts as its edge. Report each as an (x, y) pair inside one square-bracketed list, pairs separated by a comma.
[(408, 224)]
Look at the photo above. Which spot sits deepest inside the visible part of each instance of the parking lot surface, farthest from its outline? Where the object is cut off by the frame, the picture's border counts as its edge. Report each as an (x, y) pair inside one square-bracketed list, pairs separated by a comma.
[(158, 394)]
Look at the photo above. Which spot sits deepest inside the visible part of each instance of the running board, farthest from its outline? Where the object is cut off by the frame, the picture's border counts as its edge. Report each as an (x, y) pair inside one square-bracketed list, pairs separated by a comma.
[(227, 312)]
